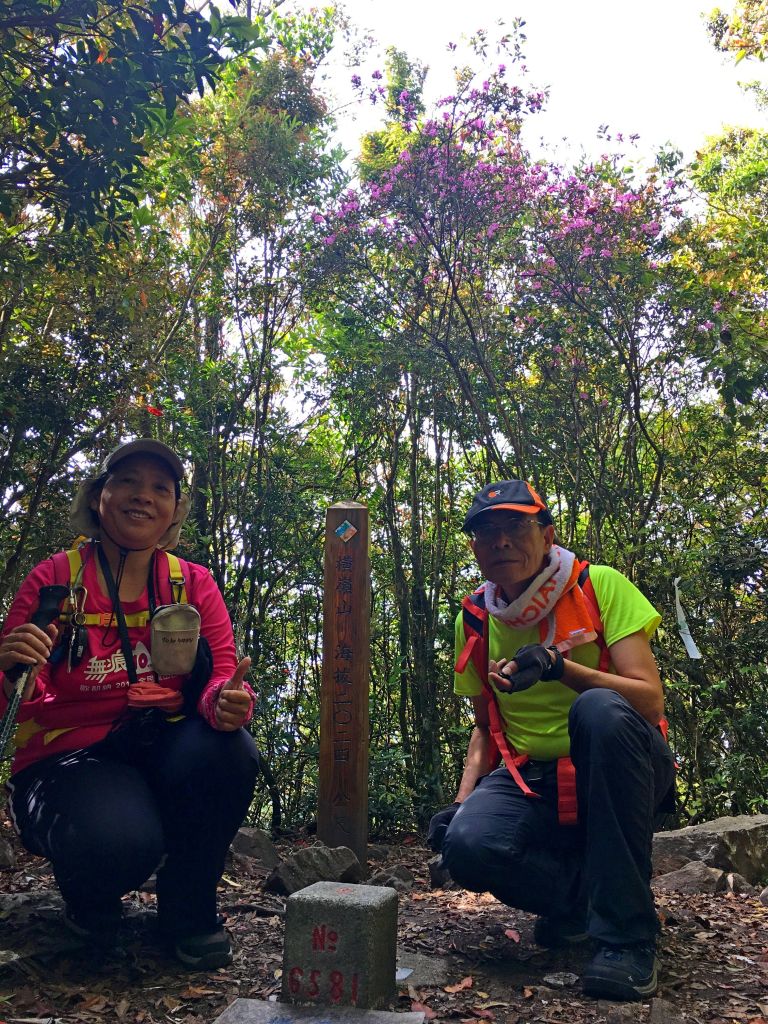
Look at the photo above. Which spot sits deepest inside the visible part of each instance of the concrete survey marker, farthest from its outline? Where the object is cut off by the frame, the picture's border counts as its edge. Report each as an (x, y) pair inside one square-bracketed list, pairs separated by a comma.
[(255, 1011), (340, 943)]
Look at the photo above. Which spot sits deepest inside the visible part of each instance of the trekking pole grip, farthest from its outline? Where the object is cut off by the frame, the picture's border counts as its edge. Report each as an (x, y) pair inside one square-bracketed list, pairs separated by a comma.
[(47, 610)]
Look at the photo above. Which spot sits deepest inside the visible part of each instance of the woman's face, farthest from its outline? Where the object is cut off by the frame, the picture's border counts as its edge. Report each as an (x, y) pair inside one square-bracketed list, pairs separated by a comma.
[(138, 502)]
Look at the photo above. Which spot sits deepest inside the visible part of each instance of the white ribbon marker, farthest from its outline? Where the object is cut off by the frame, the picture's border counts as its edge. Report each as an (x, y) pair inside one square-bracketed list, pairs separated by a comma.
[(682, 624)]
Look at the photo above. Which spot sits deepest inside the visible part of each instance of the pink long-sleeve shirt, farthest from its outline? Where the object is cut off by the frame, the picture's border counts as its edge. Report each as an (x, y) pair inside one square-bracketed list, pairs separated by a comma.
[(69, 710)]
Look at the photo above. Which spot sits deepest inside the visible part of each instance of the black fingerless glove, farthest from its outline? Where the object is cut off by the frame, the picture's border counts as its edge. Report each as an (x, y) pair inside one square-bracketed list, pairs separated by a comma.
[(438, 826), (533, 664)]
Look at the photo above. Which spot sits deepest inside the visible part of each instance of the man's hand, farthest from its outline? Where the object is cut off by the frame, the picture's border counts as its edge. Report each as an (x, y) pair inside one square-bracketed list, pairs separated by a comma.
[(531, 664), (438, 826), (27, 646), (234, 702)]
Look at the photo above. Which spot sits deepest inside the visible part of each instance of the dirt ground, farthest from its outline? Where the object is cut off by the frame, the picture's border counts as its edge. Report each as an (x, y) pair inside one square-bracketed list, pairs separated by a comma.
[(714, 955)]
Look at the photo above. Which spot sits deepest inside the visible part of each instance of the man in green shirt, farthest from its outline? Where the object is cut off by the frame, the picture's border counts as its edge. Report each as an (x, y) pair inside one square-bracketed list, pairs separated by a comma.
[(560, 689)]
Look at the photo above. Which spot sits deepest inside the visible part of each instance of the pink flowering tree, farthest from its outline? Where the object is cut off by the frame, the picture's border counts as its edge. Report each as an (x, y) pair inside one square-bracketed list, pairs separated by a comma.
[(543, 299)]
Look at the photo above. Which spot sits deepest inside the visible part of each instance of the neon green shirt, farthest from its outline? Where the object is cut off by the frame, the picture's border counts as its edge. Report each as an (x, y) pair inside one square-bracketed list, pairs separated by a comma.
[(536, 719)]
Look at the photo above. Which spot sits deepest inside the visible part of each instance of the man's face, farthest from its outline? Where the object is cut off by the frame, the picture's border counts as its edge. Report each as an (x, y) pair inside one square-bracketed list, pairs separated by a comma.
[(510, 548)]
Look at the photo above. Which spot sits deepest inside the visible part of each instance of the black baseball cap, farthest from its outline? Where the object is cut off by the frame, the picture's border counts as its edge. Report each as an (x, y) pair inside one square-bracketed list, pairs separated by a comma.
[(515, 495)]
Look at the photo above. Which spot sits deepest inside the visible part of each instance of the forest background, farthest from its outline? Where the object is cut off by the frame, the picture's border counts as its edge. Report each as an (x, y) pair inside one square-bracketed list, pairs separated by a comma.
[(185, 253)]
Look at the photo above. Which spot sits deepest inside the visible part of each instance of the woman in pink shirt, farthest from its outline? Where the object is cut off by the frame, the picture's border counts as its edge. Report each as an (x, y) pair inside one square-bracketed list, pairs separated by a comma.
[(120, 770)]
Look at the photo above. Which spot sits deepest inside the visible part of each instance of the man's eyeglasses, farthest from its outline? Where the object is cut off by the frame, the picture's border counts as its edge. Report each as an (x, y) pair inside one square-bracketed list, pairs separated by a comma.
[(513, 526)]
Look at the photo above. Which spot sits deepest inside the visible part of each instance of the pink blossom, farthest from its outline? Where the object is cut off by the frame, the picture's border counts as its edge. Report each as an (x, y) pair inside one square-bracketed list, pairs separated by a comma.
[(703, 328)]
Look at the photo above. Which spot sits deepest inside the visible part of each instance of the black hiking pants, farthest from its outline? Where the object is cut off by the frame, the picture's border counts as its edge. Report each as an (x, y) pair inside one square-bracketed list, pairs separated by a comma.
[(501, 841), (107, 815)]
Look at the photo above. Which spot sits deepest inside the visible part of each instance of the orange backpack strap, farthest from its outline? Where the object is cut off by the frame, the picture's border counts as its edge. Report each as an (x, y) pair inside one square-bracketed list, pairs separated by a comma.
[(511, 758), (475, 619)]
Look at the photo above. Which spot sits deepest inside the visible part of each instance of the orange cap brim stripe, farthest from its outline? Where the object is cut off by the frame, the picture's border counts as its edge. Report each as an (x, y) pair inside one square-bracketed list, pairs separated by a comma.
[(515, 508)]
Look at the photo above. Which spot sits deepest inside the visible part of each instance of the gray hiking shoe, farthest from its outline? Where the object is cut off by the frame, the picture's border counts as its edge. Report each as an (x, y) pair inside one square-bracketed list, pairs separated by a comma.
[(622, 972)]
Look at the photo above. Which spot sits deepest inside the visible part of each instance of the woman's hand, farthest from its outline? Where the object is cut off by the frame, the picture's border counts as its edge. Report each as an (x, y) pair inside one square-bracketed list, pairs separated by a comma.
[(28, 646), (234, 703)]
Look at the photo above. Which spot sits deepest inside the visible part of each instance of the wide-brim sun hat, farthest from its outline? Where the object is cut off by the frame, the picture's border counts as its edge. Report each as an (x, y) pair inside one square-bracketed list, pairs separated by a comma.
[(84, 520), (144, 446), (515, 495)]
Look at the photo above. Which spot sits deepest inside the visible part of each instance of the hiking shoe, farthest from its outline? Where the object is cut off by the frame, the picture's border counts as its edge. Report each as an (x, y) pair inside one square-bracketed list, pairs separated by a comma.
[(622, 972), (553, 932), (97, 927), (204, 952)]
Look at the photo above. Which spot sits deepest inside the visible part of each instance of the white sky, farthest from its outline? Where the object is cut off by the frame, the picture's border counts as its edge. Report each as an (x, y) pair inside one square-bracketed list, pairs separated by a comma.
[(642, 67)]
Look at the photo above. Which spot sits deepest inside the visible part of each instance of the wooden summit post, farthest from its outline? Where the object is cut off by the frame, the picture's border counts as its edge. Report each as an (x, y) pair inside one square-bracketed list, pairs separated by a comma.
[(342, 805)]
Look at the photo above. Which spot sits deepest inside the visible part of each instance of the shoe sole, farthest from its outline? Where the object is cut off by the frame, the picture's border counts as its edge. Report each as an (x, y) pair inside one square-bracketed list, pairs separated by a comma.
[(612, 988), (207, 962)]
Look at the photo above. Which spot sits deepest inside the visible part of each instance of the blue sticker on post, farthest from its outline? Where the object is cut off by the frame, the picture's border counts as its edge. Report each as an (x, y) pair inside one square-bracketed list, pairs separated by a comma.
[(346, 531)]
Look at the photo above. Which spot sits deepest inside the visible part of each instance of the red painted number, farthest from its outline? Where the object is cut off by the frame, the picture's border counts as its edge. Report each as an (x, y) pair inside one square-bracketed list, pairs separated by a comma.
[(314, 983), (337, 986)]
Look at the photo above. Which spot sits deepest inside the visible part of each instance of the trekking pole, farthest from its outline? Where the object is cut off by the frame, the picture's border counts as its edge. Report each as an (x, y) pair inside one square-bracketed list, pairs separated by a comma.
[(48, 610)]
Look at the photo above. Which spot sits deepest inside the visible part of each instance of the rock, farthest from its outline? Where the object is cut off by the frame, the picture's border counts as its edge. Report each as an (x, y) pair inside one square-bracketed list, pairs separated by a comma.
[(763, 897), (561, 979), (737, 884), (732, 844), (254, 842), (241, 864), (426, 971), (623, 1013), (398, 877), (315, 864), (438, 875), (663, 1012), (7, 856), (692, 878), (377, 851)]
